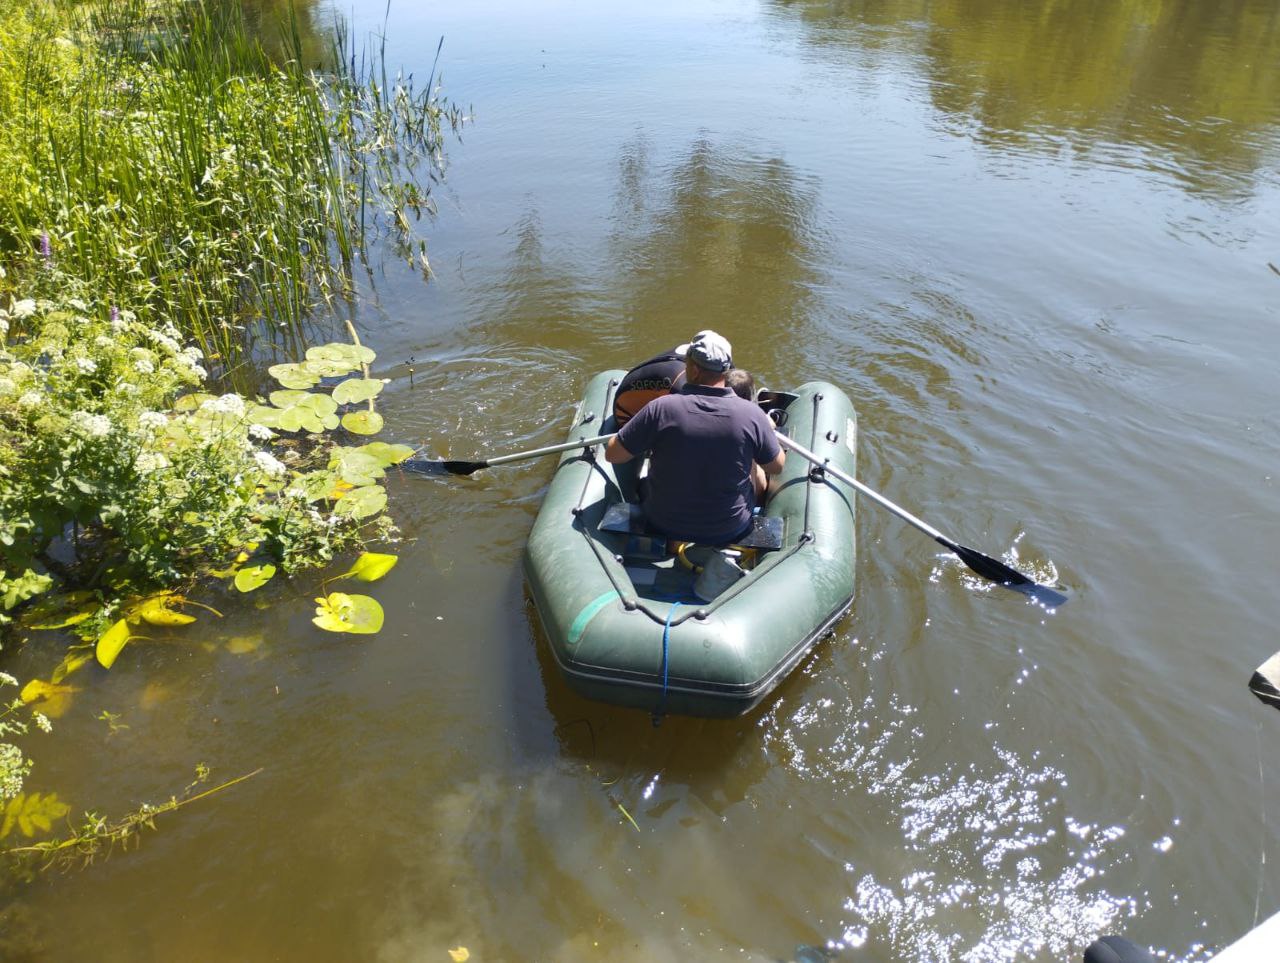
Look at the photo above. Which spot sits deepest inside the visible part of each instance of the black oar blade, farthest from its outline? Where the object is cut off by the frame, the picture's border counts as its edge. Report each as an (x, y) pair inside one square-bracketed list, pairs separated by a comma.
[(1006, 577), (430, 466)]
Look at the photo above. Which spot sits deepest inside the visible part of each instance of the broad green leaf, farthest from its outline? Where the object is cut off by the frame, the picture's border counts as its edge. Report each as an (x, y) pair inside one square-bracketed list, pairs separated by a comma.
[(314, 485), (264, 415), (192, 401), (356, 467), (355, 390), (370, 567), (341, 351), (291, 419), (54, 699), (339, 612), (111, 642), (362, 422), (30, 583), (362, 502), (293, 376), (328, 369), (254, 576), (386, 454), (287, 397)]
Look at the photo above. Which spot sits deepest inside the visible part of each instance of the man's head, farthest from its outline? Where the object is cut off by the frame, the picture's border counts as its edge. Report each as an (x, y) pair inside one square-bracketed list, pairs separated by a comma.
[(742, 383), (708, 355)]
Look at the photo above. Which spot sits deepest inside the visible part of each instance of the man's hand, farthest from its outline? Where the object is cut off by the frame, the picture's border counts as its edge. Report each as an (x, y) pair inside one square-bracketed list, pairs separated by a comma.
[(615, 454)]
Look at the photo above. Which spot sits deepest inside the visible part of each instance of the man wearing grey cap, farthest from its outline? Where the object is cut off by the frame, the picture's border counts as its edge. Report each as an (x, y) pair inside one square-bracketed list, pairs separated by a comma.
[(709, 450)]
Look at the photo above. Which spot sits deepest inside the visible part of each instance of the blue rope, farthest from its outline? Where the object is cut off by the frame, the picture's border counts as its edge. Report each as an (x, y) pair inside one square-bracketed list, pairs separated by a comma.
[(666, 643)]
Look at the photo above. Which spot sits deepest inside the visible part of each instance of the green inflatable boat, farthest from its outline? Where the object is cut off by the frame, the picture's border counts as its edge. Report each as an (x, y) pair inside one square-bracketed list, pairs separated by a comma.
[(701, 632)]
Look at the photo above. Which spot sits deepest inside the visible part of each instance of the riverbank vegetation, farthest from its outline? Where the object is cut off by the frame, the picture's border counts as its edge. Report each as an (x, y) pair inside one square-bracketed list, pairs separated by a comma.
[(176, 207)]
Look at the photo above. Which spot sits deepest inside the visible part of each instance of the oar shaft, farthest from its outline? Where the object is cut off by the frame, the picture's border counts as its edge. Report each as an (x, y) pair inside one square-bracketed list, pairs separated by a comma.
[(550, 450), (875, 496)]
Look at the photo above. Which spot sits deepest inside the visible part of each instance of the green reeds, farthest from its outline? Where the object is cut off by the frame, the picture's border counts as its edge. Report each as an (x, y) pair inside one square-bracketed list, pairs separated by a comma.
[(171, 161)]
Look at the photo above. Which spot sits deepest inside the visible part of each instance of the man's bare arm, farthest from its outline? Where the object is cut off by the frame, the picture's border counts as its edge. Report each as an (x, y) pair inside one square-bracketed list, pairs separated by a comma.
[(615, 454), (775, 466)]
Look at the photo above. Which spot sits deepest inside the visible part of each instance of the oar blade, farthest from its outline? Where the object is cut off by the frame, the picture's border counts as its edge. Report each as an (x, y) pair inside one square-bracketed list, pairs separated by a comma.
[(1006, 577), (432, 466)]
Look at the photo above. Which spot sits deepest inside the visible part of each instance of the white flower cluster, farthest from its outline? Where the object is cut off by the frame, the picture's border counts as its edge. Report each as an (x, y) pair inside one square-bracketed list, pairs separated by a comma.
[(90, 425), (229, 404), (152, 420), (269, 464), (149, 461)]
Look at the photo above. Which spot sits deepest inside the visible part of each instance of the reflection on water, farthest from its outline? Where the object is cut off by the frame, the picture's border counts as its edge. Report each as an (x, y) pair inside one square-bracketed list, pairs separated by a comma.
[(722, 238), (1193, 86)]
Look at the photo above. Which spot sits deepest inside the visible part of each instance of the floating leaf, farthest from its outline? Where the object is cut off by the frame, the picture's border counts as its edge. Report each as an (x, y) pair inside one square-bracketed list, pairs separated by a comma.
[(111, 642), (370, 567), (339, 612), (460, 954), (355, 390), (293, 376), (341, 351), (287, 397), (314, 485), (355, 466), (328, 369), (362, 422), (54, 699), (32, 813), (264, 415), (254, 576), (363, 502), (386, 454)]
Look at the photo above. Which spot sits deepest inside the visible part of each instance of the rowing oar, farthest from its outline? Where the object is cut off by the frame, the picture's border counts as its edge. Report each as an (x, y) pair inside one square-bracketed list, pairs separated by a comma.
[(431, 466), (984, 565)]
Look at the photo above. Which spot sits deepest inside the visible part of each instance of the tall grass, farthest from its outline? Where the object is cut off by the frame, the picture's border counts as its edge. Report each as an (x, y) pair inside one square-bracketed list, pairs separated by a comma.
[(171, 161)]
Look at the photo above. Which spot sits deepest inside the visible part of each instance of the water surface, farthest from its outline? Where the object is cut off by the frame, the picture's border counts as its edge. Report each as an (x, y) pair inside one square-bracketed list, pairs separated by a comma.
[(1031, 240)]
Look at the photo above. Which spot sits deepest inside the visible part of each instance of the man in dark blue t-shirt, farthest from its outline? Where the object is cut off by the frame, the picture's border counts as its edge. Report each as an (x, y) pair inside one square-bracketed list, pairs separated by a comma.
[(709, 450)]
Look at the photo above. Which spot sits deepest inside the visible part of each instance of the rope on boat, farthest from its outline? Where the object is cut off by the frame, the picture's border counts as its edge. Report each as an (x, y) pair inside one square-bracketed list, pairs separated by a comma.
[(666, 643)]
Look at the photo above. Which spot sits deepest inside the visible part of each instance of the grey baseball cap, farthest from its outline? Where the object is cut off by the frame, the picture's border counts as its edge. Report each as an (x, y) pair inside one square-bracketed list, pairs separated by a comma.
[(708, 350)]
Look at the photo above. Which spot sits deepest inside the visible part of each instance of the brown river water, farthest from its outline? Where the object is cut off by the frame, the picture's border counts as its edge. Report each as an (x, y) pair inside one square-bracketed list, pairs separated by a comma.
[(1031, 240)]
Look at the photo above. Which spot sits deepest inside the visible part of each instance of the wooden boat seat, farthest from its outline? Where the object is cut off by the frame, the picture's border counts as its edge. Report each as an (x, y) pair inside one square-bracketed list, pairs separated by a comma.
[(628, 519)]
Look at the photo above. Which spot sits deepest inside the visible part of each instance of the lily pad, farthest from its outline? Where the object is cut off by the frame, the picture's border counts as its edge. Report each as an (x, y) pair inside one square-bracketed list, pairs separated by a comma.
[(362, 422), (341, 351), (386, 454), (161, 609), (355, 466), (314, 485), (288, 397), (254, 576), (355, 390), (293, 376), (339, 612), (363, 502), (329, 369), (264, 415)]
